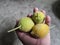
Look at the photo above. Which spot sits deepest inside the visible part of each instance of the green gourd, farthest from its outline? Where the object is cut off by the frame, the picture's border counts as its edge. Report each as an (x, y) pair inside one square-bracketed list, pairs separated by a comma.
[(38, 17), (25, 24)]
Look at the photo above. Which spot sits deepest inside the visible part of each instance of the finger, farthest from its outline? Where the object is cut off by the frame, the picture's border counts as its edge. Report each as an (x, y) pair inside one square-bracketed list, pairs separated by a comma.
[(25, 38), (29, 15), (48, 20), (46, 40), (43, 11), (35, 9)]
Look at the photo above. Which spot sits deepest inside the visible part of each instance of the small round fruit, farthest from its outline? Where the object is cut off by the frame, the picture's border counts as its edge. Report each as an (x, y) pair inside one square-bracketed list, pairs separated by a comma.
[(25, 24), (40, 30), (38, 17)]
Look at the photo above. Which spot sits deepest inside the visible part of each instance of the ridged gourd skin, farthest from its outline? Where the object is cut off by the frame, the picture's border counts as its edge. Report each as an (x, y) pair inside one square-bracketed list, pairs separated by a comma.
[(40, 30), (38, 17), (26, 24)]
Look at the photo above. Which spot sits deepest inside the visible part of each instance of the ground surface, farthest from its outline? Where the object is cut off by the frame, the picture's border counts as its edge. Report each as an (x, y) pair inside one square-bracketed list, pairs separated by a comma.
[(10, 10)]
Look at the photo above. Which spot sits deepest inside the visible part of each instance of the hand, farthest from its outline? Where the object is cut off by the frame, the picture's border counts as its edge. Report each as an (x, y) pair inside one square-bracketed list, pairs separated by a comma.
[(27, 39)]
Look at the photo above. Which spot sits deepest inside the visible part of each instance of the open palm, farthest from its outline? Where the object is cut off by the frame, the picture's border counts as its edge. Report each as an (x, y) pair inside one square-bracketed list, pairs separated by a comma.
[(27, 39)]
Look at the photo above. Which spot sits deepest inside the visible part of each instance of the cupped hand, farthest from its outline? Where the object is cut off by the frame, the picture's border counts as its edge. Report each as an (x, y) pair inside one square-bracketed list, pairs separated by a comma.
[(27, 39)]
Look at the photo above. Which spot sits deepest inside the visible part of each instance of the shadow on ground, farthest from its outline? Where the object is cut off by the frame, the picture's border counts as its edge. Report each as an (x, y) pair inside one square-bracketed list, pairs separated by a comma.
[(56, 8), (7, 38)]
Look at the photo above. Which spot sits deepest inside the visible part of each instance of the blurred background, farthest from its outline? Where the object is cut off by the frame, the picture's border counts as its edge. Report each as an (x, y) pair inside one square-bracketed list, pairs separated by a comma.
[(12, 10)]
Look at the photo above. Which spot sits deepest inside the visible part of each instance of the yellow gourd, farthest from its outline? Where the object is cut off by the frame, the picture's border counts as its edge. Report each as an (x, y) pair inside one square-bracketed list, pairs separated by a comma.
[(40, 30)]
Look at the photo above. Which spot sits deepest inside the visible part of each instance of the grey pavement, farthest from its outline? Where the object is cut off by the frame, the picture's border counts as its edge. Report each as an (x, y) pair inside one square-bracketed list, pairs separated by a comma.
[(12, 10)]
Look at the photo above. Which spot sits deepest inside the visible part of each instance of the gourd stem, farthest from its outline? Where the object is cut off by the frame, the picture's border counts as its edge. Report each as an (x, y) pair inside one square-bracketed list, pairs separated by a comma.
[(14, 29), (52, 27)]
